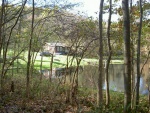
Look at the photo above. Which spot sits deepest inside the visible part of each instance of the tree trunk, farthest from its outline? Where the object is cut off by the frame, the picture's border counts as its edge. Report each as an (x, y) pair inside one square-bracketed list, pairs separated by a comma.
[(138, 56), (127, 60), (1, 25), (109, 57), (132, 57), (100, 76), (51, 67), (29, 54), (1, 44), (41, 67)]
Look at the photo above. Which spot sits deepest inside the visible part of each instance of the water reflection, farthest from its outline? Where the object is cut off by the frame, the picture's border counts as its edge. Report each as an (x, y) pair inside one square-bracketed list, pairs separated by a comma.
[(59, 72), (88, 76), (116, 79)]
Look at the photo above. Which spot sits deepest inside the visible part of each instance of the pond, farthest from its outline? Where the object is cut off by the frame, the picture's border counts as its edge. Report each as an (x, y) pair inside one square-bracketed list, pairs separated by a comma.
[(116, 78), (88, 76)]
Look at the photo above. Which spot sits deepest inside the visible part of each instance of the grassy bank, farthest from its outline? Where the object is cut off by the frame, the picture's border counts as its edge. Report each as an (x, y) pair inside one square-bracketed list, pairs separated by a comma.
[(61, 61)]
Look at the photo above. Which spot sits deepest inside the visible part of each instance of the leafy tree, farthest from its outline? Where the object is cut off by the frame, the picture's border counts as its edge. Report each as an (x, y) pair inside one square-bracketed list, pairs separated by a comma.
[(8, 24)]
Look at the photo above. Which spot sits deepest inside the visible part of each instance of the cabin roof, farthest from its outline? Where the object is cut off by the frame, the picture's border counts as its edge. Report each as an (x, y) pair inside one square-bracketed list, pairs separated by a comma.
[(56, 44)]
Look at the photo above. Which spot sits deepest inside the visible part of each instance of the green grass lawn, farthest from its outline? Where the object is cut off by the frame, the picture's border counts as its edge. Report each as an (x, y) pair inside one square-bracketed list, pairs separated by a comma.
[(61, 61)]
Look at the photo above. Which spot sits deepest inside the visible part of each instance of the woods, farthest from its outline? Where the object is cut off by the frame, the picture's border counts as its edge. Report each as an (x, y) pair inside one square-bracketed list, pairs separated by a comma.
[(55, 60)]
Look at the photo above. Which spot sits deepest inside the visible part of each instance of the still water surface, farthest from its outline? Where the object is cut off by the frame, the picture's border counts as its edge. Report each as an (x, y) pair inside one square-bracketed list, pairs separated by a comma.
[(116, 78), (88, 77)]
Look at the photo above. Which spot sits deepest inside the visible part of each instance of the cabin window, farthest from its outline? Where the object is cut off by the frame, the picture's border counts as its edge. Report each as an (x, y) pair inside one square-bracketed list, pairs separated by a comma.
[(59, 48)]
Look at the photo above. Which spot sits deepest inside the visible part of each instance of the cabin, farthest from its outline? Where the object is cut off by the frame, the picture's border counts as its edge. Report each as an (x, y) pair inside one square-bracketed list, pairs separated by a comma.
[(56, 48)]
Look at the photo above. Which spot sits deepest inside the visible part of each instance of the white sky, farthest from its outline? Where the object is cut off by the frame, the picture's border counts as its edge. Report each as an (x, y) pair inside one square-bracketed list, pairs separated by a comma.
[(91, 8)]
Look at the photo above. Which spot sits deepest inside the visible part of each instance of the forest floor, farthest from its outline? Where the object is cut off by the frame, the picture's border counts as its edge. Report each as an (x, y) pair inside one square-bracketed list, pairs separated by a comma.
[(56, 102)]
